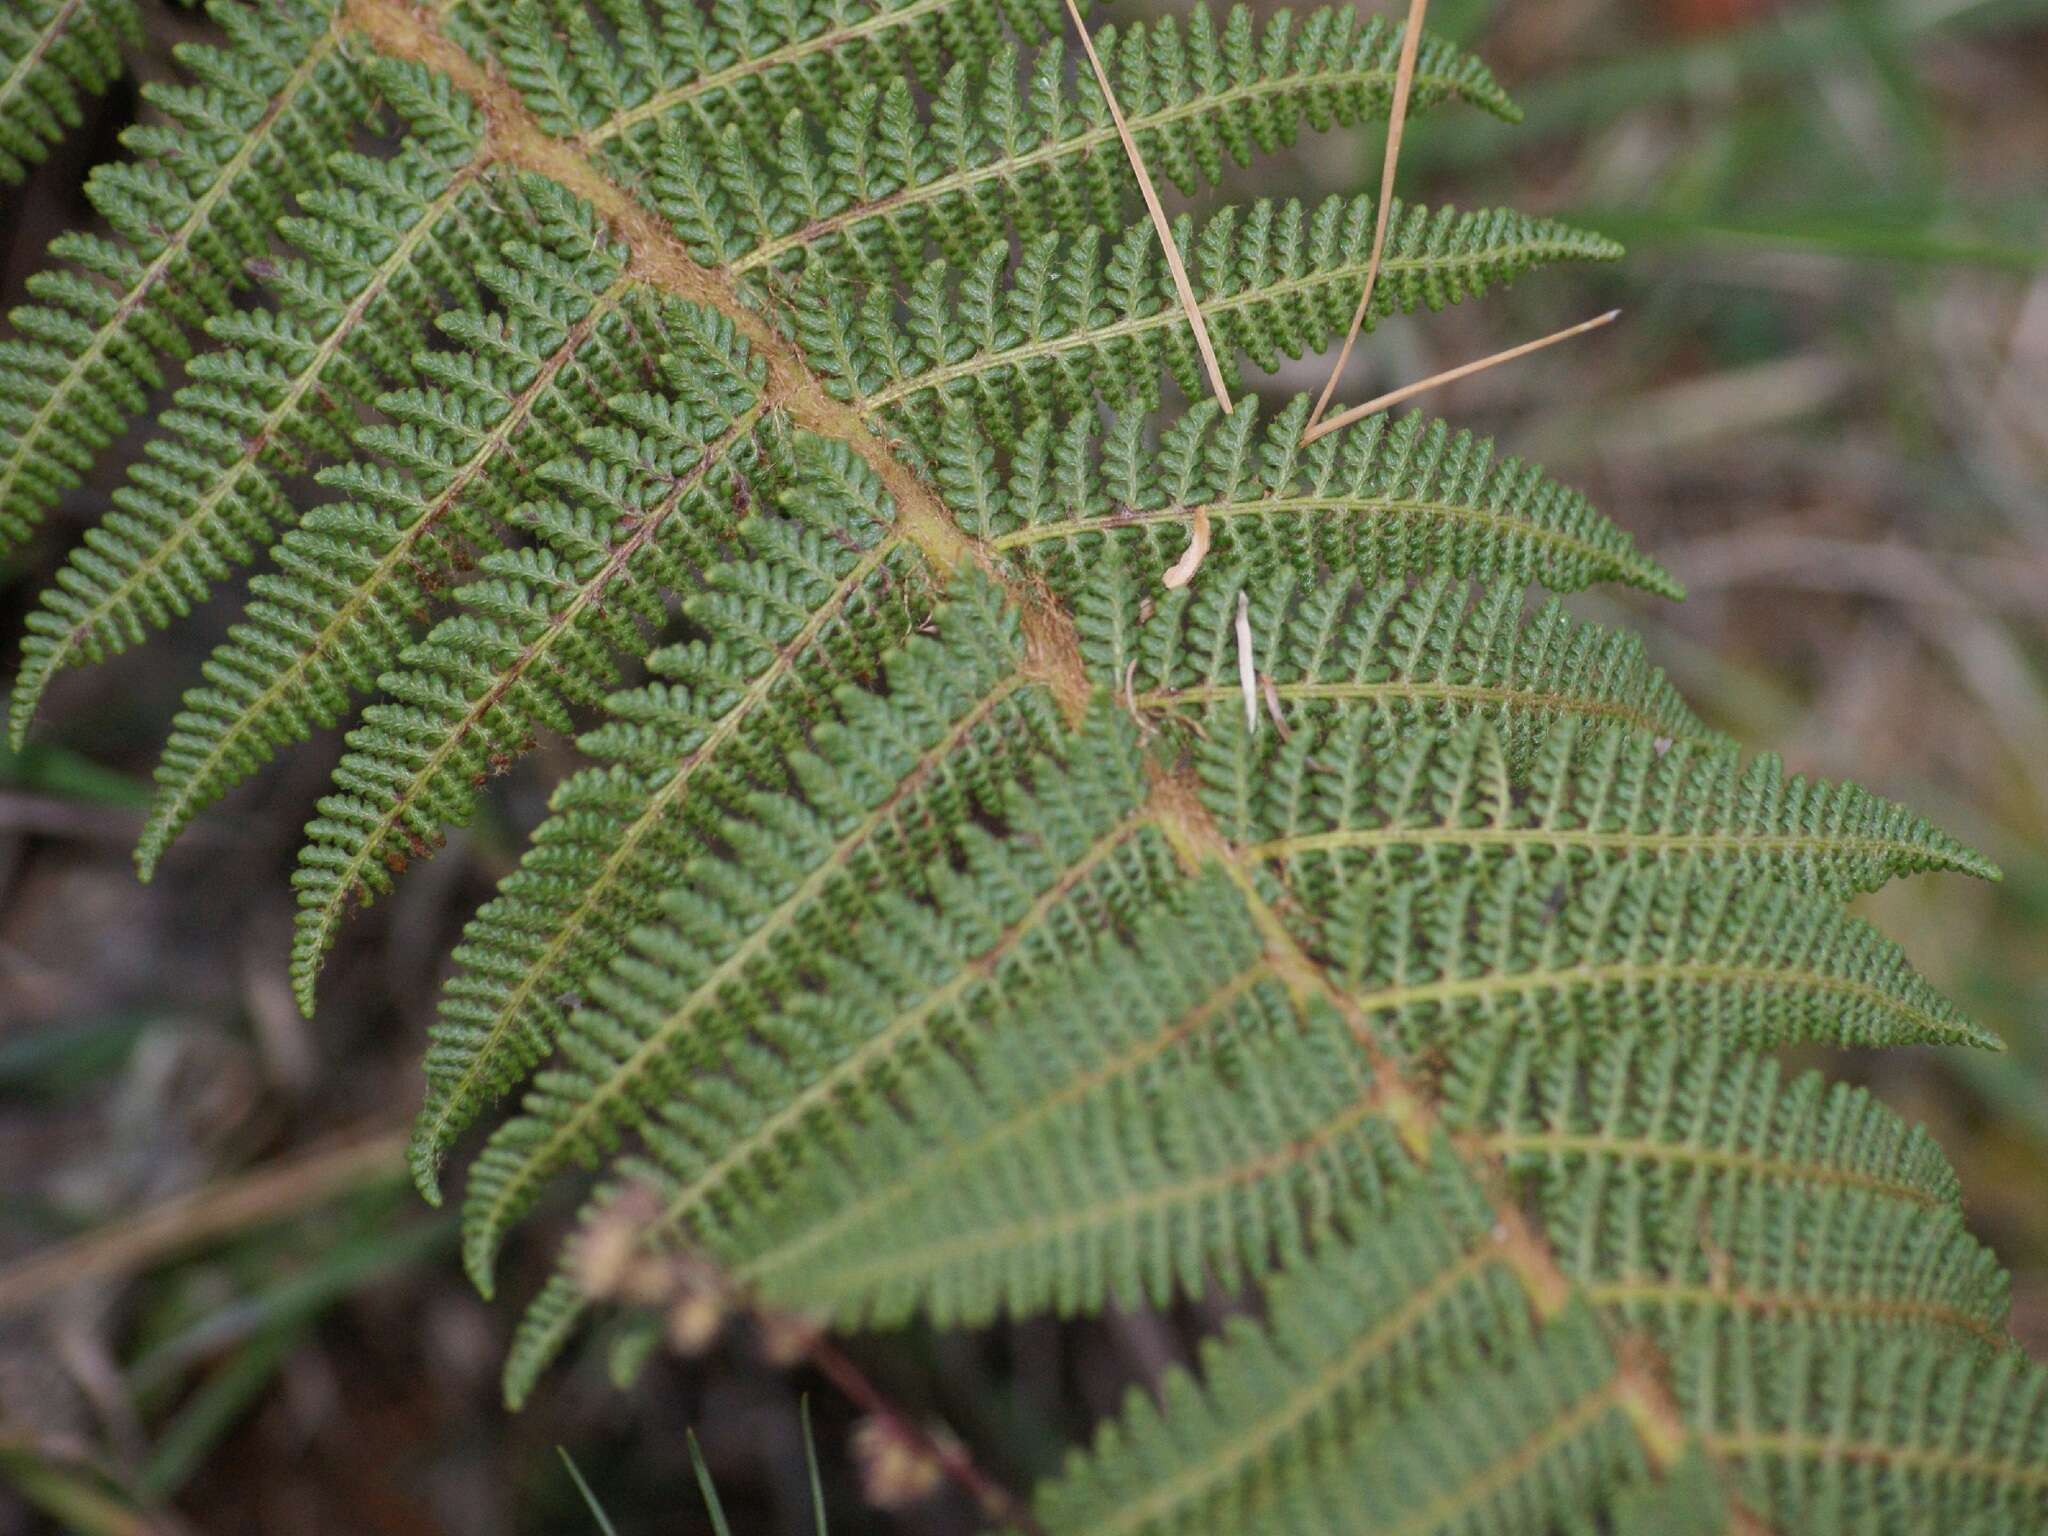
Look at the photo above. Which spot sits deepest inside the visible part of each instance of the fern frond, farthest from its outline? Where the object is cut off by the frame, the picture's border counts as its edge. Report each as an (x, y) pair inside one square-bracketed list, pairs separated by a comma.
[(617, 78), (1385, 498), (1350, 797), (284, 388), (1695, 953), (1076, 322), (643, 501), (810, 601), (1024, 859), (867, 197), (739, 934), (1353, 671), (453, 455), (52, 52), (262, 117)]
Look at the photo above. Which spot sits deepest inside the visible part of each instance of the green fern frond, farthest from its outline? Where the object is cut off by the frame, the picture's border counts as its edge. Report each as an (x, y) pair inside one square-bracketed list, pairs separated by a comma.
[(52, 52), (1352, 796), (283, 389), (865, 200), (1682, 1113), (453, 455), (1698, 953), (1085, 319), (640, 504), (263, 116), (1023, 859), (1360, 666), (1386, 497)]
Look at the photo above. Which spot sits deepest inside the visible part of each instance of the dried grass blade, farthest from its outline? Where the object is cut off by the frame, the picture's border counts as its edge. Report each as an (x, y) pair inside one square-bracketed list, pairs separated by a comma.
[(1174, 265), (1421, 386), (1397, 121)]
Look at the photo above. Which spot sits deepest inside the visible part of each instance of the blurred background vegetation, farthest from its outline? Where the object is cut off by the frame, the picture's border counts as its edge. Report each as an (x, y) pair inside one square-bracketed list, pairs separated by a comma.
[(1826, 409)]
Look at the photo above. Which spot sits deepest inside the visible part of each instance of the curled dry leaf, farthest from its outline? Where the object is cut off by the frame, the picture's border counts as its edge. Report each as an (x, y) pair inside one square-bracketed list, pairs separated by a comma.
[(1247, 668), (1182, 571), (897, 1468)]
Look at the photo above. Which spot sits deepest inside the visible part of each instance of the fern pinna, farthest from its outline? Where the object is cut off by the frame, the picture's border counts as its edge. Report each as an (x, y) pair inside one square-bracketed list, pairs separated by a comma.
[(954, 916)]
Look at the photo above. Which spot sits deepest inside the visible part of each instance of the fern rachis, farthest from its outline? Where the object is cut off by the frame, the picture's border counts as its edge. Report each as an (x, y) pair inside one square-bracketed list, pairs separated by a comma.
[(931, 933)]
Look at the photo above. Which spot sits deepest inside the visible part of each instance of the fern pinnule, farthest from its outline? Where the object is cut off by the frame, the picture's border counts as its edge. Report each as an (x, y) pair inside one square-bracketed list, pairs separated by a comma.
[(52, 52)]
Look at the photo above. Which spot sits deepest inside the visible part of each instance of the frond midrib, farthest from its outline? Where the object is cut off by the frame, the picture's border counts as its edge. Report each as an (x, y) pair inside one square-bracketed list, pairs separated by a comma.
[(1362, 838), (1818, 1302), (1508, 1144), (1640, 570), (1535, 702), (1632, 974), (48, 33), (1792, 1445)]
